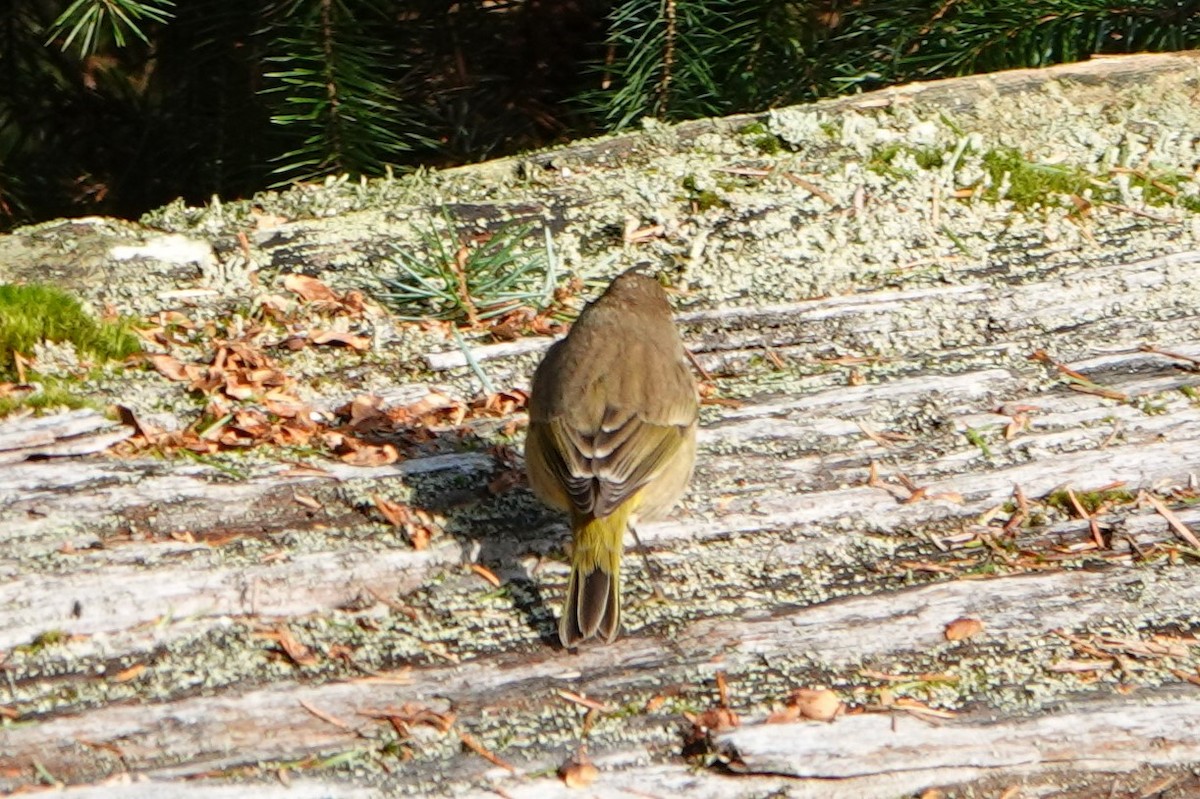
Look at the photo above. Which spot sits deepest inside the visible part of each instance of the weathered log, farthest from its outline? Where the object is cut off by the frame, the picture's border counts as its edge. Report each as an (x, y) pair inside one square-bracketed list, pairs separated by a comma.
[(999, 422), (78, 432)]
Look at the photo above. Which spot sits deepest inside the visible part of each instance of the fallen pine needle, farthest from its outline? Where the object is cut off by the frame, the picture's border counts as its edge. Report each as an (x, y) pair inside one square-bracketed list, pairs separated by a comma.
[(1082, 666), (927, 567), (478, 748), (691, 356), (403, 677), (438, 650), (1083, 514), (103, 746), (327, 718), (924, 677), (1183, 675), (487, 574), (580, 699), (874, 436), (1173, 520), (306, 501), (1088, 387), (1169, 354), (393, 604), (811, 187), (918, 709), (1079, 381)]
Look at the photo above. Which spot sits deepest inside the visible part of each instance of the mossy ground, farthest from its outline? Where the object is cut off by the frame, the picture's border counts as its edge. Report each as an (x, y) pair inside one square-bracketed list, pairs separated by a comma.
[(34, 313)]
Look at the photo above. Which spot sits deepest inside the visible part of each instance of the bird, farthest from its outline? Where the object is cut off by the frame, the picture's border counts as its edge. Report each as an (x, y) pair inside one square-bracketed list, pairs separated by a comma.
[(613, 411)]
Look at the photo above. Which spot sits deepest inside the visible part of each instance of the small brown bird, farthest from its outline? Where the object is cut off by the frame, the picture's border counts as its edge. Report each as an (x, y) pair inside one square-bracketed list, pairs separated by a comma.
[(612, 433)]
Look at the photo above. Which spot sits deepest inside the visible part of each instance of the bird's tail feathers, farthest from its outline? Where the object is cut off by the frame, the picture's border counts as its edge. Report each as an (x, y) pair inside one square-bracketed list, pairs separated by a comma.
[(593, 603)]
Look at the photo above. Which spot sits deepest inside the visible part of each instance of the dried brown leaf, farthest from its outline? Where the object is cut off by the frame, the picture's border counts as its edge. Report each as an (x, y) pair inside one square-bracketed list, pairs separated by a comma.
[(717, 719), (360, 454), (351, 340), (297, 652), (309, 289), (170, 367)]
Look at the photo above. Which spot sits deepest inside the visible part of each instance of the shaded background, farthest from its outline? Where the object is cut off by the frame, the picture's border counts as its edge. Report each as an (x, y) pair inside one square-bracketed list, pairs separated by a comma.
[(118, 106)]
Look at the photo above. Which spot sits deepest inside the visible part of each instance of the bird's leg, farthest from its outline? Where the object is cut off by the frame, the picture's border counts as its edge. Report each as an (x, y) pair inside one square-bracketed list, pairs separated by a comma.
[(658, 596)]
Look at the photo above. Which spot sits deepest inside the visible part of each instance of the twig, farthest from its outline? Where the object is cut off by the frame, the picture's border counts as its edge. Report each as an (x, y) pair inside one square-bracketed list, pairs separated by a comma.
[(668, 56)]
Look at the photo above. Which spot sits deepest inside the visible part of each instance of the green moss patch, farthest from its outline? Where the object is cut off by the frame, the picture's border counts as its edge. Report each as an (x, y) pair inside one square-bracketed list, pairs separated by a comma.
[(53, 394), (34, 313), (1031, 183)]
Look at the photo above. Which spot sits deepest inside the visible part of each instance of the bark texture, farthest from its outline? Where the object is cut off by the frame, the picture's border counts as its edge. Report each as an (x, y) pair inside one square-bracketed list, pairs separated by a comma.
[(936, 402)]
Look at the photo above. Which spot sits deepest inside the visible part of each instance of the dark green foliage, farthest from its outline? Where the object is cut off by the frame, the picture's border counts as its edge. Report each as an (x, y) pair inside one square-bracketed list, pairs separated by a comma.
[(121, 129), (116, 106), (723, 56), (336, 89), (881, 42), (33, 313), (681, 60), (227, 97), (84, 22)]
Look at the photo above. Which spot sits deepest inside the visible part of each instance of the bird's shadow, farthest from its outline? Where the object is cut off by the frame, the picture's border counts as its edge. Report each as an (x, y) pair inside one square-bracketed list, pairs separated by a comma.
[(494, 517)]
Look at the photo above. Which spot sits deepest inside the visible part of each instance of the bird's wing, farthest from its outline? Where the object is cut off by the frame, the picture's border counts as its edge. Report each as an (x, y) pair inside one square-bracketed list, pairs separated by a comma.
[(602, 468)]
